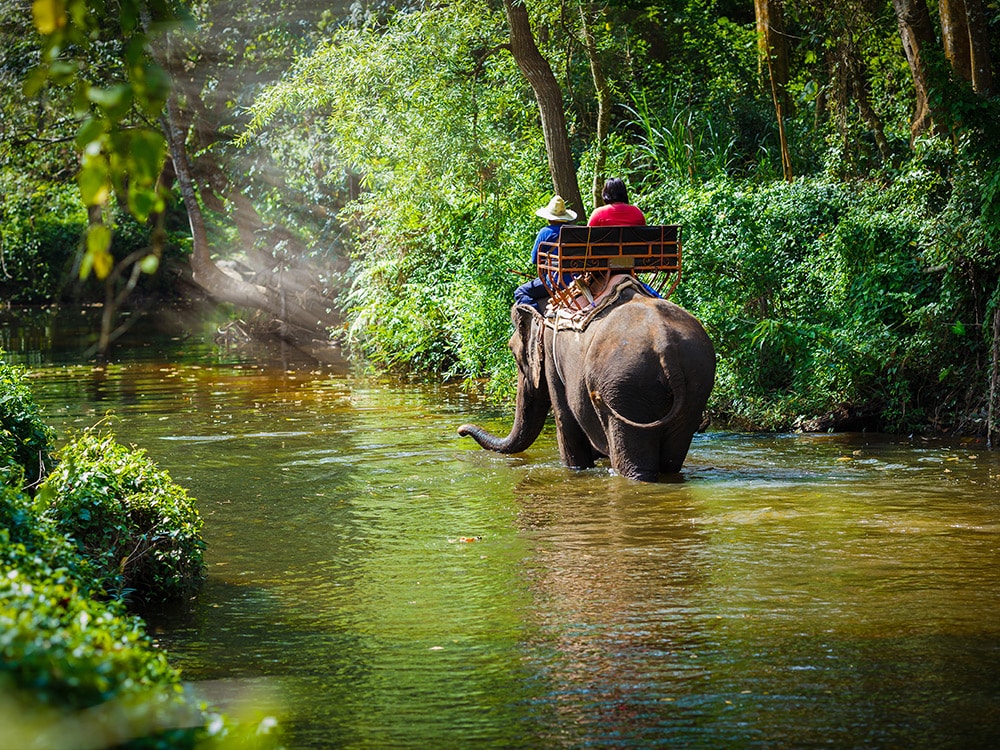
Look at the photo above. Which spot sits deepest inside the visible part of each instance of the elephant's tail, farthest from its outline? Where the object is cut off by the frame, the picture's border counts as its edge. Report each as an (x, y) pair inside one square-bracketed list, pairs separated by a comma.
[(676, 387)]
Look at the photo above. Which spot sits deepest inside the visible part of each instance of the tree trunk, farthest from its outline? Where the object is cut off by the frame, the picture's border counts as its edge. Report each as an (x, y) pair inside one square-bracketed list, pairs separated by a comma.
[(993, 408), (773, 47), (772, 43), (603, 91), (917, 35), (205, 272), (857, 76), (955, 37), (979, 48), (548, 95), (965, 36)]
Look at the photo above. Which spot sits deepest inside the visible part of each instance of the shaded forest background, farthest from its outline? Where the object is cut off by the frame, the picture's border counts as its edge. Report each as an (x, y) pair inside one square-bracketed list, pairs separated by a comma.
[(367, 173)]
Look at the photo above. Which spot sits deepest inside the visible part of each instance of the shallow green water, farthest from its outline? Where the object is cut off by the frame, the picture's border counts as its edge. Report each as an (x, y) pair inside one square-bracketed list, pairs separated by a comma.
[(377, 581)]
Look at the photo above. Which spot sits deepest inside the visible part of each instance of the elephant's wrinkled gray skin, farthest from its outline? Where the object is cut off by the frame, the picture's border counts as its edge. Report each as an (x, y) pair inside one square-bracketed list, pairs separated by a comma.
[(631, 387)]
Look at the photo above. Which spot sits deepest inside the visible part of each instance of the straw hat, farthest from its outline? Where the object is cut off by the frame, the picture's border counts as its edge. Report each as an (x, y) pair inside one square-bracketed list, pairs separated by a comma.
[(556, 210)]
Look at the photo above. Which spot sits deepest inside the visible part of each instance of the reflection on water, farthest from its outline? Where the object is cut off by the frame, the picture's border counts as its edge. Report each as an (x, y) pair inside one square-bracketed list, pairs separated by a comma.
[(388, 584)]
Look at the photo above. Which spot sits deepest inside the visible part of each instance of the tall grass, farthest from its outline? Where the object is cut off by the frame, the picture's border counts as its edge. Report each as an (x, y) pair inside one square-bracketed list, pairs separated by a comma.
[(679, 140)]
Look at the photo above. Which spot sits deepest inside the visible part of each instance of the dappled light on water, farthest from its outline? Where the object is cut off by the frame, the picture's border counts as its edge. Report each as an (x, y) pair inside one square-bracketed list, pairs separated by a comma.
[(386, 583)]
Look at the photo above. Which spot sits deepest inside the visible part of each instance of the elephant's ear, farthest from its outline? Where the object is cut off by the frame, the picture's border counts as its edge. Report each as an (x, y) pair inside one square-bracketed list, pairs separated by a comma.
[(526, 343)]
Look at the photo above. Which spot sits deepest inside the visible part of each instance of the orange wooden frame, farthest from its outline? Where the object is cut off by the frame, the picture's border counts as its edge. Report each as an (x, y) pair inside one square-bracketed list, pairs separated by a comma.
[(575, 268)]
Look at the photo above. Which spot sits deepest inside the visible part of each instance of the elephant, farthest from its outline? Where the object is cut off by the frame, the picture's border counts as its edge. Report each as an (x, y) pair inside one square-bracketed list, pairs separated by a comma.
[(631, 385)]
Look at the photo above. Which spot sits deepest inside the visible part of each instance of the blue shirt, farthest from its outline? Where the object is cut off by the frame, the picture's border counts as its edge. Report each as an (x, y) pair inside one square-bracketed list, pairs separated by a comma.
[(548, 233)]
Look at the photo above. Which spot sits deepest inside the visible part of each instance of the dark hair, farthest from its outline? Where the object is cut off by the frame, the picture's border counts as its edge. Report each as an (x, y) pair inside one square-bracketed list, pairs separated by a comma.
[(614, 191)]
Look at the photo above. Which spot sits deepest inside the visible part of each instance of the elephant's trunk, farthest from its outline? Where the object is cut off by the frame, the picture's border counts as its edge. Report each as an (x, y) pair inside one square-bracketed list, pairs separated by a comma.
[(529, 418)]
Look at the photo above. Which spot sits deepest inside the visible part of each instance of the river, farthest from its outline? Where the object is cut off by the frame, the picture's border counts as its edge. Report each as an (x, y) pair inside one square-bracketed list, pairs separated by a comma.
[(376, 581)]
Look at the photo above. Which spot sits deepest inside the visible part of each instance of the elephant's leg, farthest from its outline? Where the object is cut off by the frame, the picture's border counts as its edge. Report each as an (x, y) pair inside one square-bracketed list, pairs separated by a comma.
[(674, 448), (574, 445), (634, 453)]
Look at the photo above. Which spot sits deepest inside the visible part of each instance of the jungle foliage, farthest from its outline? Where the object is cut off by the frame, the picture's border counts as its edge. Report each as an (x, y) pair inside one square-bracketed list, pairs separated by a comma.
[(838, 189), (860, 294), (26, 441)]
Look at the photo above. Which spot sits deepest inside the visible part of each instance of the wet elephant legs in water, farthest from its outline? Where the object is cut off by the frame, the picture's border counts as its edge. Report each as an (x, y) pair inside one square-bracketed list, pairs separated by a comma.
[(575, 448), (635, 453)]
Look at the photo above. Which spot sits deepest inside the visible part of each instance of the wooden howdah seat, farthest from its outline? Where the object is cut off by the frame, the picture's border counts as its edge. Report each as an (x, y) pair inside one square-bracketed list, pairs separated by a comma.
[(576, 269)]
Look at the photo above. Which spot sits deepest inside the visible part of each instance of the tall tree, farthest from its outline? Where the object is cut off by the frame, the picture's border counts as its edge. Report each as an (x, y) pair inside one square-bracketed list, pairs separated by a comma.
[(851, 24), (274, 281), (117, 98), (548, 96), (965, 36), (855, 74), (955, 37), (603, 91), (123, 147), (917, 35), (979, 48), (773, 45)]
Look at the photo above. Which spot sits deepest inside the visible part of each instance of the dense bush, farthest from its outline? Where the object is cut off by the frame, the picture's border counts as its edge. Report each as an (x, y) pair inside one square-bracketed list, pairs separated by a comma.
[(25, 440), (838, 300), (42, 225), (140, 530), (454, 168), (63, 650), (78, 672), (75, 669), (828, 303), (40, 547), (71, 650)]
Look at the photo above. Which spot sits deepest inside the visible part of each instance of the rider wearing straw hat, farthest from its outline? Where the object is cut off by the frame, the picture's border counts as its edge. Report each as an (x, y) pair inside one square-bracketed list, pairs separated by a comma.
[(534, 292)]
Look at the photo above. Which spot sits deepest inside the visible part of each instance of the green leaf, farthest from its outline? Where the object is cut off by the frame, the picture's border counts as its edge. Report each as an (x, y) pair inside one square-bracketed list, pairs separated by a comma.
[(149, 264), (95, 185), (98, 244), (86, 265), (143, 201), (114, 100), (155, 87), (146, 155), (92, 129), (35, 81), (61, 72), (79, 10), (128, 17), (49, 15)]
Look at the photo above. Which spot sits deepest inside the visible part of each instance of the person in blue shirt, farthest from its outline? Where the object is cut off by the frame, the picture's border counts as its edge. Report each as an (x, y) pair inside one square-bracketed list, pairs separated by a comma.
[(534, 292)]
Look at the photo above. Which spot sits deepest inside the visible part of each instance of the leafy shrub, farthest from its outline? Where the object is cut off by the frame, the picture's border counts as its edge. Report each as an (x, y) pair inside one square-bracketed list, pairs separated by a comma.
[(62, 650), (72, 651), (43, 548), (140, 530), (451, 180), (42, 225), (818, 297), (78, 672), (25, 441)]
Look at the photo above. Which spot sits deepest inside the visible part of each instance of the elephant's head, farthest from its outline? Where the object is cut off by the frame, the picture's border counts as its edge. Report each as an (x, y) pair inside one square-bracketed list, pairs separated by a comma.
[(532, 391)]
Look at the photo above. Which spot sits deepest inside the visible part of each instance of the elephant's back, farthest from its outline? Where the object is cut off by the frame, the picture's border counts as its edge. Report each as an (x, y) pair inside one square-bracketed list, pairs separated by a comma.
[(660, 322), (649, 340)]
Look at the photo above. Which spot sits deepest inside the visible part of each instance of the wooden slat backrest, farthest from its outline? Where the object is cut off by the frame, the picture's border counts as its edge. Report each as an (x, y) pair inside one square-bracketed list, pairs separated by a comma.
[(586, 253)]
